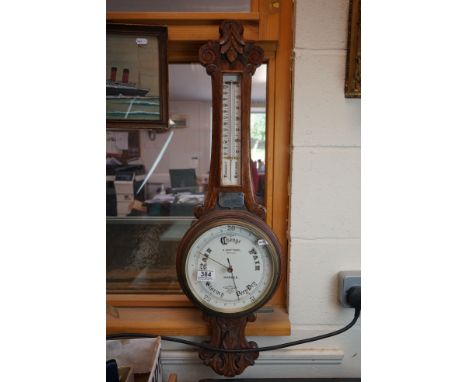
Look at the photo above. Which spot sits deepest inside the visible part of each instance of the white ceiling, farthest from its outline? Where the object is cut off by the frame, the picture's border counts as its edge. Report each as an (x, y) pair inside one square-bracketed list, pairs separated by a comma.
[(189, 82)]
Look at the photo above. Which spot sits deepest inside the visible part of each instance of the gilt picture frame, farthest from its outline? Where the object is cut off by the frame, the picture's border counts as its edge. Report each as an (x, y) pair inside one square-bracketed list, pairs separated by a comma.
[(353, 60), (136, 77)]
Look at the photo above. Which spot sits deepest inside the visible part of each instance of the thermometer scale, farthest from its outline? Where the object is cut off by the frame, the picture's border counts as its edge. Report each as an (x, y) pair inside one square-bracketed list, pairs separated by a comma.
[(231, 131)]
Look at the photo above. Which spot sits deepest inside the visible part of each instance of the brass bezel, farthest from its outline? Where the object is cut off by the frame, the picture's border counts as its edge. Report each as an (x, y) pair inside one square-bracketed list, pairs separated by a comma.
[(219, 218)]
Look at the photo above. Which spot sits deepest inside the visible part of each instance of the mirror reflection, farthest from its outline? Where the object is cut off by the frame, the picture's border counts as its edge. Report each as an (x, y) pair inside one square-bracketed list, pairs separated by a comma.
[(154, 181)]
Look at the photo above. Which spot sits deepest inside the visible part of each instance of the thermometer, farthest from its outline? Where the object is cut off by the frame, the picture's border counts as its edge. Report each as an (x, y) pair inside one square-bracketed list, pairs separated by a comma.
[(231, 131)]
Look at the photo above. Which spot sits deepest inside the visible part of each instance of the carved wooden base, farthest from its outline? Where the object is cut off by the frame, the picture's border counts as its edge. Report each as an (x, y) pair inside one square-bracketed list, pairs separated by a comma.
[(229, 333)]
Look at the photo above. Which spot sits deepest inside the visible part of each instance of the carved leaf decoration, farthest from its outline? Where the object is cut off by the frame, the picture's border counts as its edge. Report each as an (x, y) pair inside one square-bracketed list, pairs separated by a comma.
[(231, 42), (229, 333)]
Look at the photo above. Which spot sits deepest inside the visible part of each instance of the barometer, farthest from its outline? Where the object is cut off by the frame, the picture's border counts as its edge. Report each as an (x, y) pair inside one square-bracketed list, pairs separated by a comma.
[(229, 266), (229, 261)]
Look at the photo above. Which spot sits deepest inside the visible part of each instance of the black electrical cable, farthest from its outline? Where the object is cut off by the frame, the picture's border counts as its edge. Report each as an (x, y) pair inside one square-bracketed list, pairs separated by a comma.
[(357, 311)]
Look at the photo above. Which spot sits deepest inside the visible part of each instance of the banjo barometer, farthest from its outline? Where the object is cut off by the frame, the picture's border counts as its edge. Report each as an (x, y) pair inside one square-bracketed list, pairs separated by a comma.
[(229, 261)]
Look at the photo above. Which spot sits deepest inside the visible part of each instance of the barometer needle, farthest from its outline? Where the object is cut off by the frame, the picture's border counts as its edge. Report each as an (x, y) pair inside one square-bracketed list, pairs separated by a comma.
[(230, 269), (225, 266)]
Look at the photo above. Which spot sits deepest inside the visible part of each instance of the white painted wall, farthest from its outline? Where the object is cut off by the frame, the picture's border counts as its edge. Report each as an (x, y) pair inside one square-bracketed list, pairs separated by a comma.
[(187, 143), (325, 184), (325, 208)]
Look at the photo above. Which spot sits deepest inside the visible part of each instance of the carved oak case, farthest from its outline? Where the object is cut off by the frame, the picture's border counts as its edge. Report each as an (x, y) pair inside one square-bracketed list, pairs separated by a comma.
[(230, 208)]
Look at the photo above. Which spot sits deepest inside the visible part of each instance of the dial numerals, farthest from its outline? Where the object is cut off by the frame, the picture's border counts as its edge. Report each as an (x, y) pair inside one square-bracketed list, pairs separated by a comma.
[(242, 271)]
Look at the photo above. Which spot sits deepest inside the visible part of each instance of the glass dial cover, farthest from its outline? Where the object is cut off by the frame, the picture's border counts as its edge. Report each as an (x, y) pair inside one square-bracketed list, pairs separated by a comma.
[(231, 267)]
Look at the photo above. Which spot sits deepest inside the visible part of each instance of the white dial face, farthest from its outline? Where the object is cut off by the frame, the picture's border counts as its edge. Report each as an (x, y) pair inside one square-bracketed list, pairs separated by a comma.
[(231, 268), (231, 132)]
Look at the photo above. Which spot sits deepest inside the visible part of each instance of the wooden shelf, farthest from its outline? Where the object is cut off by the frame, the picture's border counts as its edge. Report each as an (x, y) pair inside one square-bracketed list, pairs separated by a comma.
[(188, 322), (186, 26), (171, 17), (126, 300)]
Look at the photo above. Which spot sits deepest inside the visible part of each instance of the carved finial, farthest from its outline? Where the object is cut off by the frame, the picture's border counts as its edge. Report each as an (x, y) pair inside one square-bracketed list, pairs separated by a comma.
[(231, 41), (230, 47), (229, 333)]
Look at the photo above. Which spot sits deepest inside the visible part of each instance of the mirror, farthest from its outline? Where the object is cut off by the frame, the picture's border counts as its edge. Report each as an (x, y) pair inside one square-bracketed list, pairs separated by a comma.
[(141, 242)]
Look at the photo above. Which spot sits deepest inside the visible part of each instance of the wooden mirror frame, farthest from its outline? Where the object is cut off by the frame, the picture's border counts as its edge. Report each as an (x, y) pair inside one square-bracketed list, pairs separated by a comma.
[(270, 27)]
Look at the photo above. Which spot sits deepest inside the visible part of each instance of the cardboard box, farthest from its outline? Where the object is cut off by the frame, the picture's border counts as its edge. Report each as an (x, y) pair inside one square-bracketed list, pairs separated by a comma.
[(126, 374), (124, 208), (124, 197), (141, 354), (123, 187)]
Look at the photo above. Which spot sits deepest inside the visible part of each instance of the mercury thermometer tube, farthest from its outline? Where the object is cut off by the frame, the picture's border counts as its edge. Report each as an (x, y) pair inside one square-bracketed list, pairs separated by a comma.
[(231, 131)]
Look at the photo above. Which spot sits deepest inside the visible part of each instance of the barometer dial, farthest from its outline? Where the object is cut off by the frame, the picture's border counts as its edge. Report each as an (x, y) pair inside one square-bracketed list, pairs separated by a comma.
[(231, 266)]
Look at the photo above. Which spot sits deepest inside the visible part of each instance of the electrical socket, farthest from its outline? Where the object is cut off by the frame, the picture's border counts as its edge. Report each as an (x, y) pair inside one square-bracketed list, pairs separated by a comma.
[(347, 280)]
